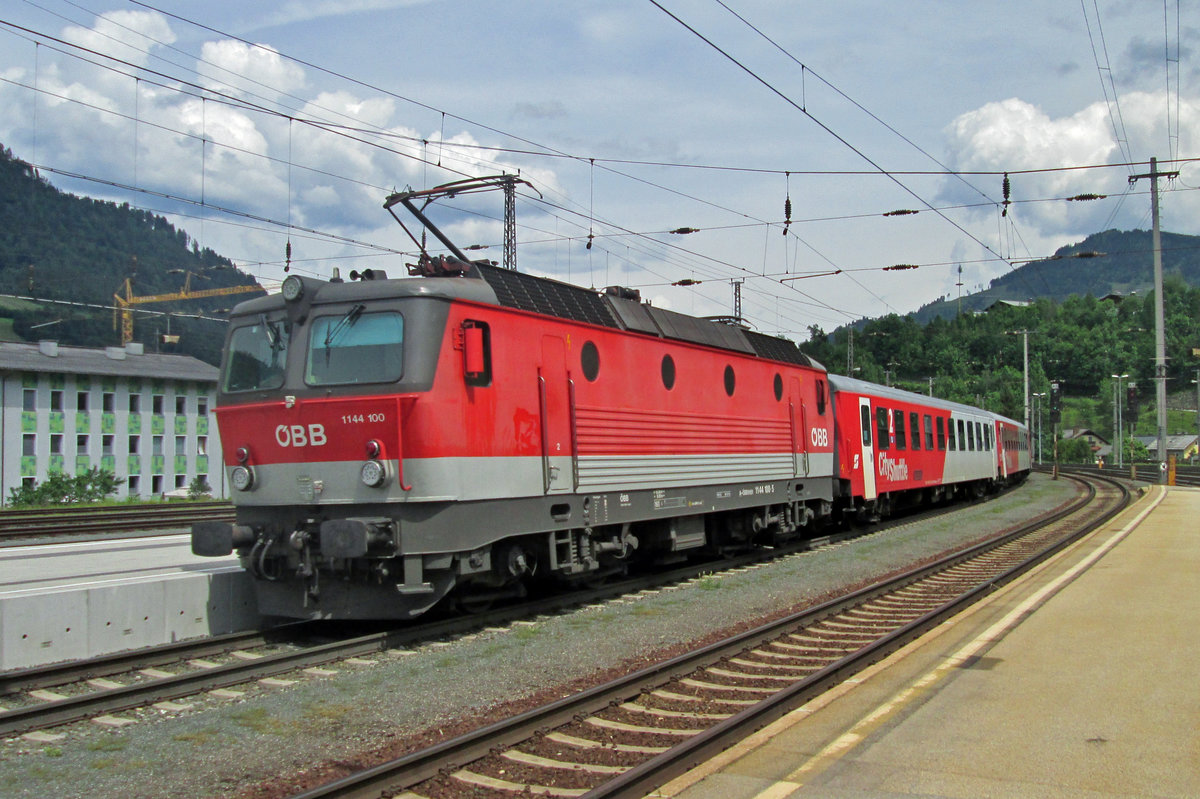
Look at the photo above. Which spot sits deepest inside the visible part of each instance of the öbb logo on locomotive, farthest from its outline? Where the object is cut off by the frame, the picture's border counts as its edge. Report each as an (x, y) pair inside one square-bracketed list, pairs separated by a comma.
[(476, 431), (298, 435)]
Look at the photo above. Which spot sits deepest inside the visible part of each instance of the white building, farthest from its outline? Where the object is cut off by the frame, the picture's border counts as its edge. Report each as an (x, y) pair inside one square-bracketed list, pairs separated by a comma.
[(145, 417)]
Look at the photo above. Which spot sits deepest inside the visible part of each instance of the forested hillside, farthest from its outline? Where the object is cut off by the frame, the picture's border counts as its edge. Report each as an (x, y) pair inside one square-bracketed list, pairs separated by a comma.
[(1112, 262), (56, 246), (1081, 342)]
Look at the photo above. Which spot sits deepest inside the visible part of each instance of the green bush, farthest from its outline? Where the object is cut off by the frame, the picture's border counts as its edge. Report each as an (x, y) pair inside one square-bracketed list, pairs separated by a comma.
[(60, 488)]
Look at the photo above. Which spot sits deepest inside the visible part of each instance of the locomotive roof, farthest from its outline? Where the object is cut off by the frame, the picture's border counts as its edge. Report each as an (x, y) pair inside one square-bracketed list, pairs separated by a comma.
[(508, 288), (843, 383)]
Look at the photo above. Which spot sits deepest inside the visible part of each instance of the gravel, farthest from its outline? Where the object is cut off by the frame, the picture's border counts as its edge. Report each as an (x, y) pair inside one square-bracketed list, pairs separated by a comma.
[(273, 739)]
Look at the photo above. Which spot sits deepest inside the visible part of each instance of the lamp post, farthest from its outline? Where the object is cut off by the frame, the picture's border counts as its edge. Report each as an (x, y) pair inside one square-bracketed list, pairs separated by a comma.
[(1024, 394), (1037, 416), (1117, 421)]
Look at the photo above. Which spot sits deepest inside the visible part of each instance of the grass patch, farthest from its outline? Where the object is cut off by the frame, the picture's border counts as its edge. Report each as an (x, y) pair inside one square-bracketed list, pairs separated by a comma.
[(198, 738), (258, 720), (327, 711), (107, 744)]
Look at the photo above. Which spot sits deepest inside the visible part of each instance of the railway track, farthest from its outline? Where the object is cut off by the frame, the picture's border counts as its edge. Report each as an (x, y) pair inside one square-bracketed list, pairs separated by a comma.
[(45, 697), (57, 522), (626, 737)]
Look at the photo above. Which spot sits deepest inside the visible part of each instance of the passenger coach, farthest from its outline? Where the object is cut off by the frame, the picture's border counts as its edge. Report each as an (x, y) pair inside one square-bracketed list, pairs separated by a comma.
[(895, 448)]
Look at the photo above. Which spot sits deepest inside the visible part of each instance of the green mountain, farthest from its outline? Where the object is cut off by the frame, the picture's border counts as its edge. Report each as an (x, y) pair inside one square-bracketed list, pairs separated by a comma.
[(1113, 262), (57, 249)]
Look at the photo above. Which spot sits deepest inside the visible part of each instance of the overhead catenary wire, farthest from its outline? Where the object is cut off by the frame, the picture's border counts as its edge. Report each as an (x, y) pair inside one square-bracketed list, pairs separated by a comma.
[(444, 146)]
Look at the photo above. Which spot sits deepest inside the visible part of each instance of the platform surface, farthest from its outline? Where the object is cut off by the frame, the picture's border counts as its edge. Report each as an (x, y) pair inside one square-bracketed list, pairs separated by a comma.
[(1080, 680), (86, 598)]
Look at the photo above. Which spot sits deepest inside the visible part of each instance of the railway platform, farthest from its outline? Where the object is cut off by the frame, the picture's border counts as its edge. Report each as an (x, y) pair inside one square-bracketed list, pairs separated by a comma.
[(87, 598), (1078, 680)]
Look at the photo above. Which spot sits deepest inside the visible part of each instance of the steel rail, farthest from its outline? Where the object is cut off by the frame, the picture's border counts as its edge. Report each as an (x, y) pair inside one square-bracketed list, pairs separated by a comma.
[(416, 767)]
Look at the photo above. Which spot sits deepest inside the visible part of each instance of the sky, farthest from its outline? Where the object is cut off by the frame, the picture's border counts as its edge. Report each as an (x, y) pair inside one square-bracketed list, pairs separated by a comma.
[(784, 131)]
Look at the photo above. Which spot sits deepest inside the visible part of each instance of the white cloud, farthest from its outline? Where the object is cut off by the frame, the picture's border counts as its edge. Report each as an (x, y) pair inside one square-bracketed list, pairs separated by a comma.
[(258, 63), (1015, 135)]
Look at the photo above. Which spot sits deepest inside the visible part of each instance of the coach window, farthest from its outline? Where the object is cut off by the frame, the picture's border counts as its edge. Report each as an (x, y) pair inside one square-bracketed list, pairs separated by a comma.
[(668, 372), (865, 416), (941, 428), (928, 431), (950, 434), (901, 439), (589, 359), (962, 436), (730, 380), (355, 347), (970, 436), (881, 428), (914, 424)]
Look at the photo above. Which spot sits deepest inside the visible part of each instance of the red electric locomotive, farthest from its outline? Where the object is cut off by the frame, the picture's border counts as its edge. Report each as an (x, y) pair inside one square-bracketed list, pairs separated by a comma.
[(897, 449), (473, 428)]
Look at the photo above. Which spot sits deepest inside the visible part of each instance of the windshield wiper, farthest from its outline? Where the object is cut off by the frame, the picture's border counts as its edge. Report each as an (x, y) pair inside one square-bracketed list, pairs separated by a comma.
[(344, 324)]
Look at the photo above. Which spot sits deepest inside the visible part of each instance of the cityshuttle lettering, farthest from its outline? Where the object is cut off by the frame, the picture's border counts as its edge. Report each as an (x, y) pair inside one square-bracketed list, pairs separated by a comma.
[(892, 470)]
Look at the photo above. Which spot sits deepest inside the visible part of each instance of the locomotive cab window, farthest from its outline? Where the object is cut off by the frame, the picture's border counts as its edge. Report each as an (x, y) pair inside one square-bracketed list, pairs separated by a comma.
[(820, 397), (257, 356), (355, 347)]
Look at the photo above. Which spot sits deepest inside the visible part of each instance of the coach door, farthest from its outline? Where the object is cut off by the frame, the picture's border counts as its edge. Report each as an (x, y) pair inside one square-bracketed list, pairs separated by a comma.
[(866, 431), (555, 410)]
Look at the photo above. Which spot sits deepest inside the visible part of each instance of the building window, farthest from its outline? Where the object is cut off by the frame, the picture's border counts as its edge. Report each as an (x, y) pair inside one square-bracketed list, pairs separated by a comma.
[(135, 443), (106, 444), (56, 444), (156, 404), (56, 400), (201, 445), (135, 403), (180, 481), (202, 406), (156, 484), (133, 484), (180, 404), (81, 444), (81, 402), (180, 445), (29, 444), (29, 399), (157, 443)]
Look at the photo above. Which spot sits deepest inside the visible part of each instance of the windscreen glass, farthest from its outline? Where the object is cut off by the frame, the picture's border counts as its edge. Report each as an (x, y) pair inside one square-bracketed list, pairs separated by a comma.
[(355, 347), (257, 356)]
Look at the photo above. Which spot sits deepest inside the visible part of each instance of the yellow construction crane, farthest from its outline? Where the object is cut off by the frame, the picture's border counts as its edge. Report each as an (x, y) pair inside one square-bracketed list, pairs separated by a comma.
[(123, 312)]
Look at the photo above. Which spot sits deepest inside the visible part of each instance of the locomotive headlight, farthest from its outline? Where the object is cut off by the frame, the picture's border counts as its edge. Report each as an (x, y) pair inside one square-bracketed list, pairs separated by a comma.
[(242, 478), (293, 288), (373, 474)]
